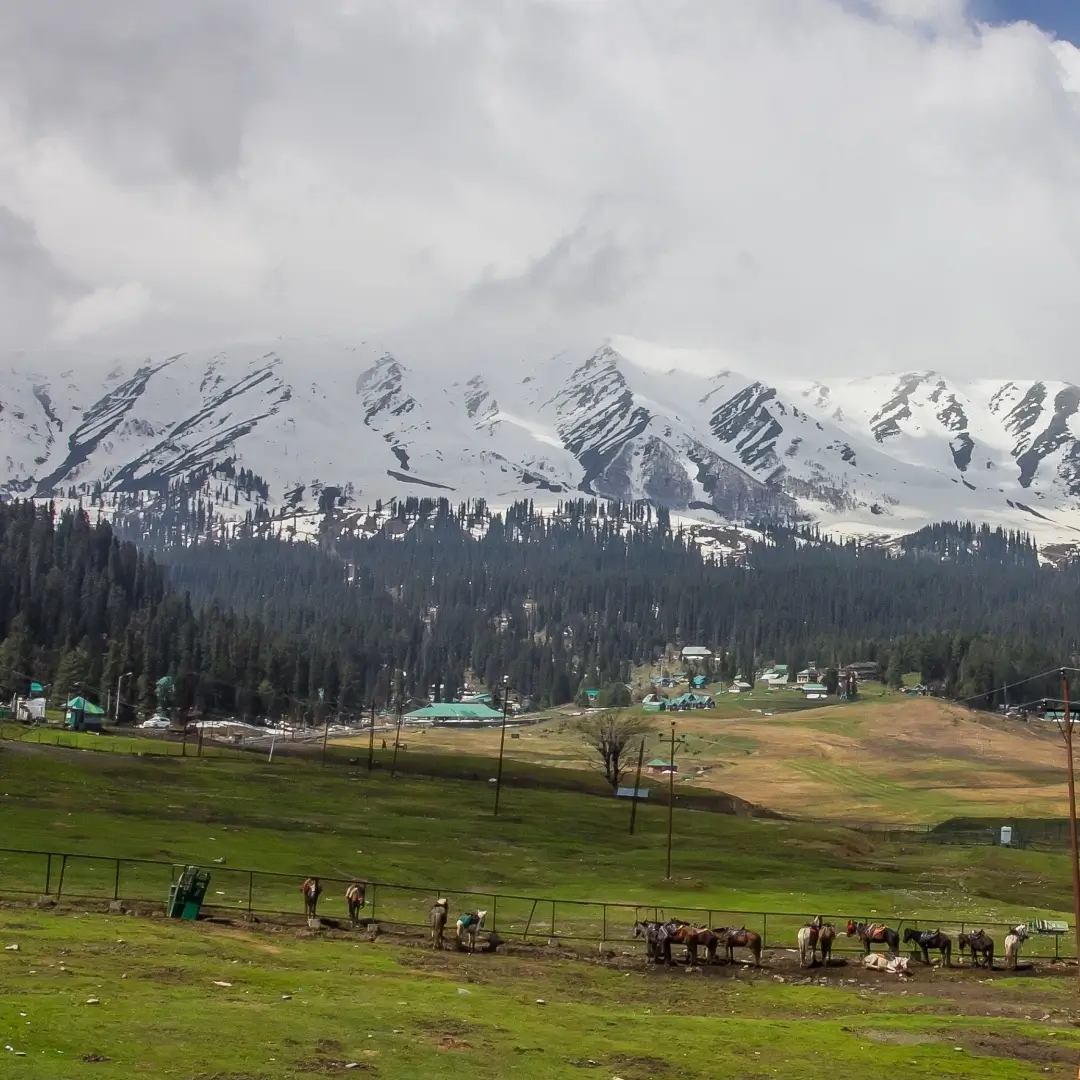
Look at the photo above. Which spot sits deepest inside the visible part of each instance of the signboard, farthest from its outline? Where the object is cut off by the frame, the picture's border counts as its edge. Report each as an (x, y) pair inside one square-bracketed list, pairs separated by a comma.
[(1006, 835), (628, 793)]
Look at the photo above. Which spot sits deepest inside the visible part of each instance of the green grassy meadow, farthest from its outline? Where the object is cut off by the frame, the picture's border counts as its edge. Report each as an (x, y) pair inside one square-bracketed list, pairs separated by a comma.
[(300, 1004)]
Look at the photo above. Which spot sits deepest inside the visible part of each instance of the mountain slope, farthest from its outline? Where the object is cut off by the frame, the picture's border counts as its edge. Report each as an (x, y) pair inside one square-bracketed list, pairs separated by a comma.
[(885, 454)]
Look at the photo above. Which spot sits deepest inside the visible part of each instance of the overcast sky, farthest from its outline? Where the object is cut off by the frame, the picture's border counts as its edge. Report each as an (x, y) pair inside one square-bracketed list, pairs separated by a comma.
[(853, 185)]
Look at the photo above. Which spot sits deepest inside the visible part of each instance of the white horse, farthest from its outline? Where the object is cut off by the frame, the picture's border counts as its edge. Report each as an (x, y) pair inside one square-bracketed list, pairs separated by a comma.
[(468, 926), (808, 937), (1013, 940), (897, 965)]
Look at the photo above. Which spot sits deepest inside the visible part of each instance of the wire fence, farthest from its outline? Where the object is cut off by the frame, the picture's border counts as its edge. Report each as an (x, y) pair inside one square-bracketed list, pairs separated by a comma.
[(258, 892)]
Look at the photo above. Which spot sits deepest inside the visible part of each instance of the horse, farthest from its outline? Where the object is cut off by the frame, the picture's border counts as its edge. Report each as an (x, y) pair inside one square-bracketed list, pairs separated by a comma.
[(1013, 940), (896, 965), (733, 938), (693, 937), (650, 931), (874, 934), (826, 937), (468, 926), (808, 939), (437, 921), (980, 943), (312, 890), (355, 896), (930, 939)]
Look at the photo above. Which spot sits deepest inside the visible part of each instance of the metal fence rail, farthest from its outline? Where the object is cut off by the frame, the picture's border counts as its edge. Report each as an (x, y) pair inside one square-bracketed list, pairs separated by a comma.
[(529, 918)]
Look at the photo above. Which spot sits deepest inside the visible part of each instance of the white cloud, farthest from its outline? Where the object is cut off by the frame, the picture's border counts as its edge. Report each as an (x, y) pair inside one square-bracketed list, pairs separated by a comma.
[(832, 185), (102, 310)]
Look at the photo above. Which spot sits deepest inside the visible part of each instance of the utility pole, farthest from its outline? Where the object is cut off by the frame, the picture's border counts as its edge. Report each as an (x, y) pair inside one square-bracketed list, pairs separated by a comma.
[(371, 736), (119, 683), (671, 800), (325, 736), (502, 741), (637, 785), (1072, 814), (397, 737)]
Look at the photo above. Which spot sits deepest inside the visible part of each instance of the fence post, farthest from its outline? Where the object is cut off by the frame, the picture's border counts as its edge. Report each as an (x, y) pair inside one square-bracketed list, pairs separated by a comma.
[(60, 883), (48, 873), (494, 910), (251, 886), (552, 918), (116, 882), (604, 932), (374, 896), (525, 936), (765, 929)]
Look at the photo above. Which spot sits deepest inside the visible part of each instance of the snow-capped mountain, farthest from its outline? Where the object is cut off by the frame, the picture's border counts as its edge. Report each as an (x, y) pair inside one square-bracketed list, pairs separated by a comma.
[(880, 455)]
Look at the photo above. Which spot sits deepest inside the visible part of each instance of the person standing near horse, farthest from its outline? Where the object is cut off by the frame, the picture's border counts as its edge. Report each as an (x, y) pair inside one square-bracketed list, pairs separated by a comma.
[(437, 921)]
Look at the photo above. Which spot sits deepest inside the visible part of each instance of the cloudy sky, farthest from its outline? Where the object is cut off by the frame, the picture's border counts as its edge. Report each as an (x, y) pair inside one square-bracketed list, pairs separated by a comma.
[(847, 184)]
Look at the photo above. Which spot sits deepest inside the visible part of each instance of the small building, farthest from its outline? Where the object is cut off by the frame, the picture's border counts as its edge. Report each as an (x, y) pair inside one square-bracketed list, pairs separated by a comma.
[(814, 691), (32, 709), (739, 686), (661, 767), (862, 670), (810, 674), (455, 712), (776, 676), (700, 681), (653, 703), (696, 652), (690, 700), (476, 699), (83, 715)]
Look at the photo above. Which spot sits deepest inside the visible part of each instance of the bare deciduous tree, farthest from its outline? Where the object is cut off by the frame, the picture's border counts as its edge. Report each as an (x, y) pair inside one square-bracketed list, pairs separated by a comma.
[(610, 735)]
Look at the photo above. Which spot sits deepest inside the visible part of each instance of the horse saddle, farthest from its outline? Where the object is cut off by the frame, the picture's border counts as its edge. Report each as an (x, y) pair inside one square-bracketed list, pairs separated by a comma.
[(928, 937), (875, 930)]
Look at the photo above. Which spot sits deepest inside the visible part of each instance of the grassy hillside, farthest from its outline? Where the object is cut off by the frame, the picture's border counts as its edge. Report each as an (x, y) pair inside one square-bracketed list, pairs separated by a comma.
[(887, 759)]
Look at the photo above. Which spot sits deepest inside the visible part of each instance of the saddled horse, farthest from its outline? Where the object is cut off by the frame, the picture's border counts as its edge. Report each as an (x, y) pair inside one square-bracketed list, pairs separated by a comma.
[(826, 937), (874, 934), (930, 939), (355, 896), (312, 890), (1016, 936), (694, 938), (732, 938), (468, 926), (980, 943), (808, 941), (437, 921), (650, 931)]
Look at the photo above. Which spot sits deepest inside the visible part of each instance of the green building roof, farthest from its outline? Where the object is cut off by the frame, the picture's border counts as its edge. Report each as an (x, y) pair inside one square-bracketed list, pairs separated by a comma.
[(80, 704), (454, 710)]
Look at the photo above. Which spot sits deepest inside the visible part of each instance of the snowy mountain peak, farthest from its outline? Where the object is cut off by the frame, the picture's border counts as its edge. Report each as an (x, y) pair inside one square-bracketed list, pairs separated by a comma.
[(883, 454)]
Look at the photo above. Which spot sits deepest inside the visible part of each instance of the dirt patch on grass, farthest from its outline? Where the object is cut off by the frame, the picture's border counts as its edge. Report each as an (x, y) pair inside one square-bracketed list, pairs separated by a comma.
[(1017, 1047), (639, 1066), (452, 1042)]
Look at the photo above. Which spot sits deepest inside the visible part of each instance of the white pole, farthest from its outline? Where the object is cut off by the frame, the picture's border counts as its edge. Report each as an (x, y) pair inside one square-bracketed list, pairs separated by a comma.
[(271, 757)]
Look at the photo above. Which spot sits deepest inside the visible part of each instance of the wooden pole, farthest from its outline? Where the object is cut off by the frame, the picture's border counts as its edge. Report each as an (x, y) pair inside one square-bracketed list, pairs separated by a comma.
[(1072, 814), (671, 800), (325, 736), (637, 786)]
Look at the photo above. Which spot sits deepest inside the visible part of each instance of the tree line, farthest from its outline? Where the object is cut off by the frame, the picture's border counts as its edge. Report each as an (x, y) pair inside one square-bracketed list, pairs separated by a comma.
[(445, 594)]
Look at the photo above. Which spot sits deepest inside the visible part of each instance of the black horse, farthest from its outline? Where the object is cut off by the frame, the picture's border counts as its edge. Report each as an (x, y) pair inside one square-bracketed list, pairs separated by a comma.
[(980, 943), (874, 934), (930, 939)]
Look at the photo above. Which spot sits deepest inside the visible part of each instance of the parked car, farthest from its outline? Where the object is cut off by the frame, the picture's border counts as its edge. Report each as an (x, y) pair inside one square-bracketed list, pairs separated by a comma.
[(156, 722)]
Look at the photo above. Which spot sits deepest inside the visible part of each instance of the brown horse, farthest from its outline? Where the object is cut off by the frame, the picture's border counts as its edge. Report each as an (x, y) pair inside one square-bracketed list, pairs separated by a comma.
[(826, 937), (355, 896), (874, 934), (980, 943), (733, 938), (694, 938), (312, 890), (437, 921)]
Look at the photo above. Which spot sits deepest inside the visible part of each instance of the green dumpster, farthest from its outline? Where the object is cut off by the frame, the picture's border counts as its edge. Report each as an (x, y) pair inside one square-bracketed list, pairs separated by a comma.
[(187, 894)]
